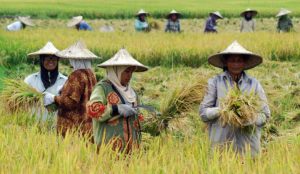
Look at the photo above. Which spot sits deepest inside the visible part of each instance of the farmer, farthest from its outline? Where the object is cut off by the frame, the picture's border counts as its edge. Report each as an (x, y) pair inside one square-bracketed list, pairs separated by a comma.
[(248, 23), (284, 22), (234, 61), (20, 24), (76, 91), (113, 104), (211, 22), (173, 24), (79, 23), (141, 23), (48, 79)]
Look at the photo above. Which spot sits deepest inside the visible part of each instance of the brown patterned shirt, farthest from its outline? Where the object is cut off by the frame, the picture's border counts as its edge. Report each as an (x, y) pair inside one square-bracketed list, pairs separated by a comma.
[(72, 101)]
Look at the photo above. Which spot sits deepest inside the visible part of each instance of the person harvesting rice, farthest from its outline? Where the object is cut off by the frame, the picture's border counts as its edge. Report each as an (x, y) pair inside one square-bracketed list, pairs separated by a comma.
[(79, 24), (76, 91), (211, 22), (248, 23), (141, 23), (113, 104), (173, 23), (20, 24), (48, 79), (285, 23), (234, 61)]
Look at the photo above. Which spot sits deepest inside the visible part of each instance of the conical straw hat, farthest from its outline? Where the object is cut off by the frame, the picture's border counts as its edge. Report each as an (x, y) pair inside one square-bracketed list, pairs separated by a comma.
[(123, 58), (253, 60), (218, 14), (74, 21), (283, 12), (254, 12), (142, 12), (76, 51), (48, 49), (174, 12), (26, 20)]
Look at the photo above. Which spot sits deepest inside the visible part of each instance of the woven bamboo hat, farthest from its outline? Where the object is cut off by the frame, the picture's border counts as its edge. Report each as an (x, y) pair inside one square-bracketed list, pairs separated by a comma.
[(74, 21), (26, 20), (235, 48), (283, 12), (217, 13), (123, 58), (142, 12), (48, 49), (174, 12), (254, 12), (76, 51)]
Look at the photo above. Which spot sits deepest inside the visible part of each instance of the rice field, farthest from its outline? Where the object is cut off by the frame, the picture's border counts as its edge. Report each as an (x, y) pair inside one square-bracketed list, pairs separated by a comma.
[(127, 8), (174, 86)]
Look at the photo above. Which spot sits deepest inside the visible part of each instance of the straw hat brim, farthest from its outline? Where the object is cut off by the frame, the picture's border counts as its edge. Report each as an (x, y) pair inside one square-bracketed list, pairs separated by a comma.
[(26, 21), (37, 54), (253, 60), (220, 17), (254, 12), (146, 14), (170, 14), (139, 68), (73, 22), (283, 14)]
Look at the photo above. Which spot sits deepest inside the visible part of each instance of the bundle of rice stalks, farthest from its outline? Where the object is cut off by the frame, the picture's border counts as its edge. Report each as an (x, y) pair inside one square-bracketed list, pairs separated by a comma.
[(239, 109), (18, 96), (154, 24), (181, 100)]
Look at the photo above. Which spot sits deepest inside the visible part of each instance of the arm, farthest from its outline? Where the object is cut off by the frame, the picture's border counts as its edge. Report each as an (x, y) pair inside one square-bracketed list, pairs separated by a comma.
[(208, 110), (98, 108), (71, 93), (265, 113)]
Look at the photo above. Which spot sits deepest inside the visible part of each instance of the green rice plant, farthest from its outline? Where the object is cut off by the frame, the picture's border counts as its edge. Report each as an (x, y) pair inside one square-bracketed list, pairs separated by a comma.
[(239, 109), (18, 96)]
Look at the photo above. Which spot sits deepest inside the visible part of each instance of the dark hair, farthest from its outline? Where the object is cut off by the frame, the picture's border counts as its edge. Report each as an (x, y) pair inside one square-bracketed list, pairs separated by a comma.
[(48, 77)]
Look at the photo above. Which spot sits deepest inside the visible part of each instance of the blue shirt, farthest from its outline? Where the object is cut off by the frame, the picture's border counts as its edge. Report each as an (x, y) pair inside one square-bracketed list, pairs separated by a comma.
[(209, 112), (140, 26), (211, 25), (84, 26)]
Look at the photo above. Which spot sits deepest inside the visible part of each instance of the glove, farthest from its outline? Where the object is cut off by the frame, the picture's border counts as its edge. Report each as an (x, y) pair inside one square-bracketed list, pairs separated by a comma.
[(261, 120), (126, 110), (213, 113), (48, 98)]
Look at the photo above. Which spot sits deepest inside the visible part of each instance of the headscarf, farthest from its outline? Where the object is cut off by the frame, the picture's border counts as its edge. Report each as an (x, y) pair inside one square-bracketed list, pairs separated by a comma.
[(114, 75), (48, 77), (80, 64)]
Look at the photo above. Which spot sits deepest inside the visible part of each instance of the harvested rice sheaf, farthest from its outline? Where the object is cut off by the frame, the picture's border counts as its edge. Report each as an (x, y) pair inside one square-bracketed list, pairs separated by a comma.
[(18, 96), (239, 109), (181, 99)]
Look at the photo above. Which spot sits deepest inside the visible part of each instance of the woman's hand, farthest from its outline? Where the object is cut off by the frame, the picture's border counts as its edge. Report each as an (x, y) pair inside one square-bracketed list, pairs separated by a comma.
[(48, 98), (126, 110)]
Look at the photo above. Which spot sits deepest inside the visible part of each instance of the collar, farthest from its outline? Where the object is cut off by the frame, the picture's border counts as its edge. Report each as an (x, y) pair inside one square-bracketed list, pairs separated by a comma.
[(244, 77)]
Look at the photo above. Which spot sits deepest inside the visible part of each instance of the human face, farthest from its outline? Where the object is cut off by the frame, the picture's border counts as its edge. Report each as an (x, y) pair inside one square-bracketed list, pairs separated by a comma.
[(126, 75), (173, 17), (142, 17), (50, 62), (235, 64)]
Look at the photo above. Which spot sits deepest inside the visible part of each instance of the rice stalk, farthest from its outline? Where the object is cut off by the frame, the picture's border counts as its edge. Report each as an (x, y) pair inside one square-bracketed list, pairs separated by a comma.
[(181, 100), (239, 109), (18, 96)]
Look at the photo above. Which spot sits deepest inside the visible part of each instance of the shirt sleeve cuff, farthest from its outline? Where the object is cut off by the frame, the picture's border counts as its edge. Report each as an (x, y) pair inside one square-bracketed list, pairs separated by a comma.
[(115, 110)]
